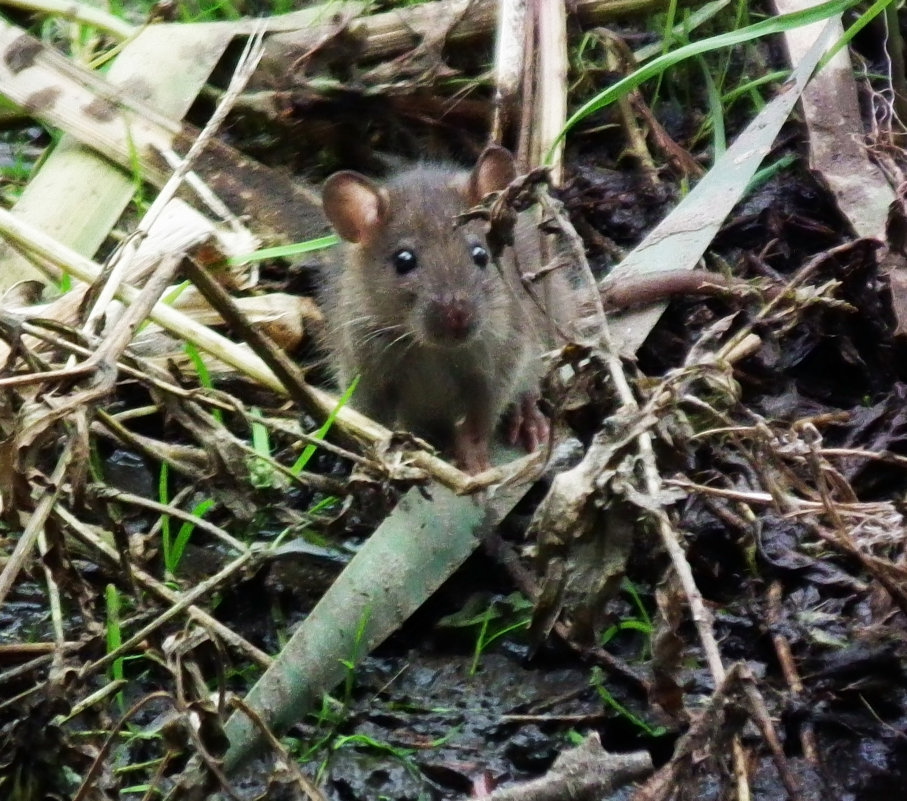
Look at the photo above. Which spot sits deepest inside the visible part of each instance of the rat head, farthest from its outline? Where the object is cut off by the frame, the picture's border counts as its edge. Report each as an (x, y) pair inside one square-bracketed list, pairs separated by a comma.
[(418, 270)]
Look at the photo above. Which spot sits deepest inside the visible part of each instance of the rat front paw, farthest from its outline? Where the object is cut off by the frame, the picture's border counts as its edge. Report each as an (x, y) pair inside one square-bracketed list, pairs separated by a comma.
[(471, 448), (526, 424)]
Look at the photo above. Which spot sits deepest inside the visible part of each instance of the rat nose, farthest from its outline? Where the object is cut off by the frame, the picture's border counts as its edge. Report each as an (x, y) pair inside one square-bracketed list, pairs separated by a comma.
[(451, 318), (458, 318)]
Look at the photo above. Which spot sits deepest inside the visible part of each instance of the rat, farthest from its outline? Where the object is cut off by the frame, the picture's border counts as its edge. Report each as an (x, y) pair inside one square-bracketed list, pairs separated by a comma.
[(445, 341)]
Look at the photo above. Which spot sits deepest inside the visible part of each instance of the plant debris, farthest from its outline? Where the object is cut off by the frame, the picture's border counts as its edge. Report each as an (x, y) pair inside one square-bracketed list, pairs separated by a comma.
[(220, 580)]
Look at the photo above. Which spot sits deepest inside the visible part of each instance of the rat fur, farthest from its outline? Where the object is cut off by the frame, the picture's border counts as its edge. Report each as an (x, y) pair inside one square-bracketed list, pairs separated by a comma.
[(444, 340)]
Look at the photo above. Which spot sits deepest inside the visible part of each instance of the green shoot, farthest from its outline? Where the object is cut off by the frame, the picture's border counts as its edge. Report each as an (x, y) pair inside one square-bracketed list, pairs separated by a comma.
[(173, 549), (575, 738), (359, 650), (716, 110), (364, 741), (766, 173), (260, 473), (330, 716), (630, 588), (748, 88), (204, 377), (402, 755), (209, 11), (493, 620), (173, 294), (671, 31), (310, 536), (642, 623), (95, 463), (171, 561), (114, 637), (285, 251), (135, 167), (597, 682), (320, 434), (490, 633), (862, 21), (324, 503), (163, 496)]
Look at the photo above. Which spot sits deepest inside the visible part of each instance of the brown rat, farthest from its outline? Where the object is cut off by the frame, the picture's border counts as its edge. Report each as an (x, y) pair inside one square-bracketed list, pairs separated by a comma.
[(444, 342)]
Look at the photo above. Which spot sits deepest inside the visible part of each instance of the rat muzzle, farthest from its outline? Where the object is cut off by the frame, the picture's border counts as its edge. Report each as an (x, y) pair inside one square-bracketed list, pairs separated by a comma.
[(450, 321)]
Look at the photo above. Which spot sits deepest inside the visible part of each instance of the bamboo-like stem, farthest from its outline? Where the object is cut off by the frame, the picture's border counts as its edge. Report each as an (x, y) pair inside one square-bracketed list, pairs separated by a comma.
[(551, 87)]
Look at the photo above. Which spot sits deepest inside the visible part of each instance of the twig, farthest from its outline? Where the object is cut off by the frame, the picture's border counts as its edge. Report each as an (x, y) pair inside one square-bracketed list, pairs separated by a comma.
[(95, 767), (701, 739), (122, 259), (762, 719), (53, 597), (291, 764), (789, 669), (504, 555), (36, 522), (653, 486), (178, 607), (86, 535), (584, 773)]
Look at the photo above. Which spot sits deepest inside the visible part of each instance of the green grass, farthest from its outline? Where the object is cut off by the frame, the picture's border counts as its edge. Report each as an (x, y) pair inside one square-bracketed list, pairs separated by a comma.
[(640, 623), (597, 682), (209, 11), (173, 558), (659, 65), (163, 496), (172, 547), (360, 649), (334, 712), (114, 637), (285, 251), (492, 619), (131, 9), (204, 376), (261, 474), (309, 451)]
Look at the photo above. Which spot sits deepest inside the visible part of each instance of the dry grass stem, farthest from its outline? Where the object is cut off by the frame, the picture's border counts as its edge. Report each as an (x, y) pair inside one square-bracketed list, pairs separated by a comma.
[(88, 536), (304, 784), (550, 95), (121, 264), (509, 63), (82, 13), (46, 500), (186, 600)]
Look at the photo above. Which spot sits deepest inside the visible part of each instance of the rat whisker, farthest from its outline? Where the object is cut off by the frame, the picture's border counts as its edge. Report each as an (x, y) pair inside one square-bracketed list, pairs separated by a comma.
[(356, 321), (404, 336), (381, 330)]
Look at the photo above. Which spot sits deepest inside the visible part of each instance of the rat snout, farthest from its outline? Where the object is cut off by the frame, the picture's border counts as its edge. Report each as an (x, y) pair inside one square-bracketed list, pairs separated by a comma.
[(450, 319), (459, 319)]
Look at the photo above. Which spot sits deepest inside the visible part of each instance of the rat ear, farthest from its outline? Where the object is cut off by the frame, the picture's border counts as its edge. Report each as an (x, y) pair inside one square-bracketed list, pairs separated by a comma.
[(493, 171), (355, 206)]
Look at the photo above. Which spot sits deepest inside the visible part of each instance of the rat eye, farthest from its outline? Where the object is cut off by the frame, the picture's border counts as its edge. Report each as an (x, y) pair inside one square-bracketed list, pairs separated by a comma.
[(404, 261), (479, 255)]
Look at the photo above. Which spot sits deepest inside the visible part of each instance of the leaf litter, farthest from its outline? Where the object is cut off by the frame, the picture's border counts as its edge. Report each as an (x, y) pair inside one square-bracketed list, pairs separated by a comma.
[(720, 532)]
